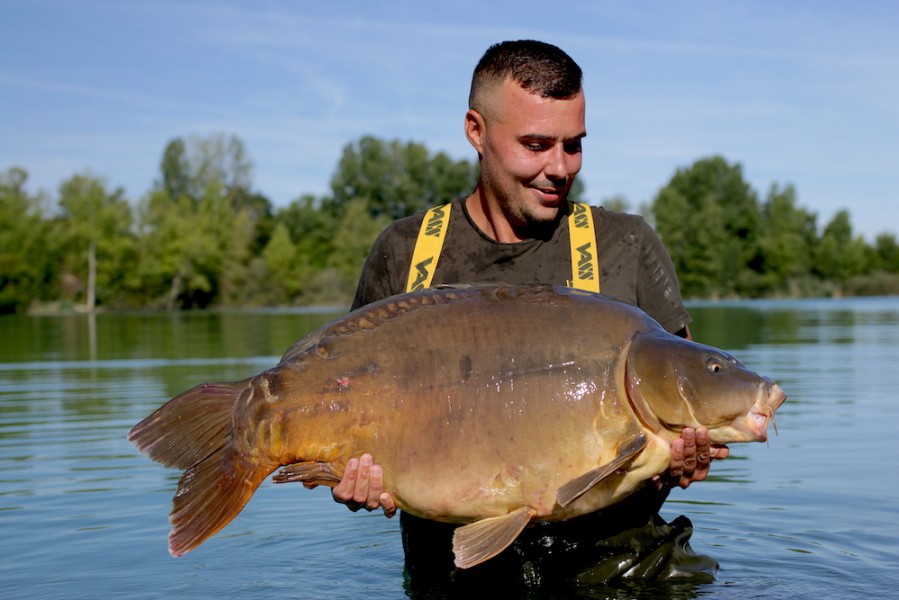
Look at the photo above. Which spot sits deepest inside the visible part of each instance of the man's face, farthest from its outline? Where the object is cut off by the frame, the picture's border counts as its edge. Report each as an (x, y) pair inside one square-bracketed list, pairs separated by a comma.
[(530, 152)]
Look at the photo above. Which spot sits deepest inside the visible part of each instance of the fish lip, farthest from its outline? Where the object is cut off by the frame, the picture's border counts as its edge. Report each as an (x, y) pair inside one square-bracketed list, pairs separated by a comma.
[(763, 410), (776, 397)]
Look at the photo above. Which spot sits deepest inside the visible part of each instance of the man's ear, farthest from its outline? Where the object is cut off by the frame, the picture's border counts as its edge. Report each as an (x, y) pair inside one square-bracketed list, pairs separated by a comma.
[(475, 130)]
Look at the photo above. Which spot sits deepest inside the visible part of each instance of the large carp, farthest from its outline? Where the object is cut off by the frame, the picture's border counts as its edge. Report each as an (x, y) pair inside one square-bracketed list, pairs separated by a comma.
[(490, 406)]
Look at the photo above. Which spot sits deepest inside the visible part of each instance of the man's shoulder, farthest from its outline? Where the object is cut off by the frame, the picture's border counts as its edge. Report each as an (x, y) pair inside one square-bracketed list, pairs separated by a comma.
[(615, 216), (620, 223), (405, 224), (408, 227)]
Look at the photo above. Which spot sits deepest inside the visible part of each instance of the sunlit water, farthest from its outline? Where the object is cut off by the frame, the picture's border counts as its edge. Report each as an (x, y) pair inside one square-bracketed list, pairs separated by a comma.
[(813, 514)]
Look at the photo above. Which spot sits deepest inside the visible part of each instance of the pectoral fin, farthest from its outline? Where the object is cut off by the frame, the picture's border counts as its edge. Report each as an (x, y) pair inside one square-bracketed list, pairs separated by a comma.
[(479, 541), (575, 488), (309, 473)]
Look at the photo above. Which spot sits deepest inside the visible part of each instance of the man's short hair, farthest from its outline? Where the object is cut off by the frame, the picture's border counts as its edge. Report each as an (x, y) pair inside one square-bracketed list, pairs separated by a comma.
[(538, 67)]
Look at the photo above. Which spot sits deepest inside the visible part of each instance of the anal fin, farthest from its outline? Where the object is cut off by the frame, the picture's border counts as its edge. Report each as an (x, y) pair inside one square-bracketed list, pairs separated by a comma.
[(576, 488), (479, 541), (308, 473)]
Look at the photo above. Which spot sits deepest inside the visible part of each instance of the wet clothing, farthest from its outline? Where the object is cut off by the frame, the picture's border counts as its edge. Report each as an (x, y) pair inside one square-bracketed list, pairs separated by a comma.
[(625, 542), (635, 268)]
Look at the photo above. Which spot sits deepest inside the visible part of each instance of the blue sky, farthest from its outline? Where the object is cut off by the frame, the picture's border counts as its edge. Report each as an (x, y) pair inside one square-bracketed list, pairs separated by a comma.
[(797, 92)]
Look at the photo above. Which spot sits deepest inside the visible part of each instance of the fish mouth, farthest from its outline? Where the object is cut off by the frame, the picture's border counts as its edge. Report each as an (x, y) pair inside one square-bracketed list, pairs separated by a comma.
[(763, 412)]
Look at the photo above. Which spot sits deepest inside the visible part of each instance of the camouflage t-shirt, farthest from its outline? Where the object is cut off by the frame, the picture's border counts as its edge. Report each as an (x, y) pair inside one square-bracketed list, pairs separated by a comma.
[(634, 266)]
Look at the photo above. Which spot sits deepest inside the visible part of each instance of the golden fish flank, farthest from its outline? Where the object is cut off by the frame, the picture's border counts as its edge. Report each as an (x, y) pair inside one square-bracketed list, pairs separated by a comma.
[(449, 392)]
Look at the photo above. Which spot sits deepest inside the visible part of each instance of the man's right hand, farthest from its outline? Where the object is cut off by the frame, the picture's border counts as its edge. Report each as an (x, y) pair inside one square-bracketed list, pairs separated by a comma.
[(362, 486)]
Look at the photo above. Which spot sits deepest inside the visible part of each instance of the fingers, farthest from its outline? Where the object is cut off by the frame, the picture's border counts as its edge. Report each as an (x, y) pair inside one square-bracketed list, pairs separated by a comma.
[(344, 491), (690, 454), (676, 467), (703, 454), (363, 478), (362, 486), (691, 457), (386, 502), (720, 452)]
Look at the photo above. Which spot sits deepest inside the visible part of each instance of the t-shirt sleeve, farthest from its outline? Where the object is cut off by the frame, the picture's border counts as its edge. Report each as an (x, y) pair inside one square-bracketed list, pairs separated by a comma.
[(658, 289), (387, 264)]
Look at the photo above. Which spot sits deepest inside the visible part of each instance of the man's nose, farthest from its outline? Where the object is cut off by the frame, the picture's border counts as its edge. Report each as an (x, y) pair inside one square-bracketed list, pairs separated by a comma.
[(558, 164)]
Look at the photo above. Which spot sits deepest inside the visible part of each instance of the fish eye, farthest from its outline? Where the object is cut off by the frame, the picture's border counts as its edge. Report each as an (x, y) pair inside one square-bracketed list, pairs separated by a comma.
[(714, 365)]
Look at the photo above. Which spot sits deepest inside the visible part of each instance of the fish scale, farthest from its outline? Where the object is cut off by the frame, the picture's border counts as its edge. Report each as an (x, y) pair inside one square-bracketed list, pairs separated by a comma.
[(488, 406)]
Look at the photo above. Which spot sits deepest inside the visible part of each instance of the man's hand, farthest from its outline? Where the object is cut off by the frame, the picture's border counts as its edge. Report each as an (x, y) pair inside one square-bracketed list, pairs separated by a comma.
[(691, 455), (362, 486)]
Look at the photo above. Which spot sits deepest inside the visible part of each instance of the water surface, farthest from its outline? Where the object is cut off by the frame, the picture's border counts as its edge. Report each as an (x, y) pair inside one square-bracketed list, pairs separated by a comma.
[(812, 514)]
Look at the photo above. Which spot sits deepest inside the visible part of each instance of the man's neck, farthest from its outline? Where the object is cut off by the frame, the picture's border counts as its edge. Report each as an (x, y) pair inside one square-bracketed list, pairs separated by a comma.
[(489, 217)]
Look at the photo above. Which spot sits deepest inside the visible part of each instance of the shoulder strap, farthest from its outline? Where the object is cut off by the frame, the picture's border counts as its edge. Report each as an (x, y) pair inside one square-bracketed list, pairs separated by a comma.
[(428, 247), (584, 259)]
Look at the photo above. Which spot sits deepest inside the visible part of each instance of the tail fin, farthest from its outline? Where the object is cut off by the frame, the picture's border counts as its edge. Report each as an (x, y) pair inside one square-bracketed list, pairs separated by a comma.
[(195, 431)]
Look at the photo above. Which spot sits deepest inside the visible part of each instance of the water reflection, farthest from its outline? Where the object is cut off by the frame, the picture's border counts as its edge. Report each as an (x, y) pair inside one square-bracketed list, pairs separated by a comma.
[(809, 515)]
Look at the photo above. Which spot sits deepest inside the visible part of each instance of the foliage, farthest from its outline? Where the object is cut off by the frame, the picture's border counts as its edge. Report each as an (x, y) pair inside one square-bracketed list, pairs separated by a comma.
[(723, 242), (94, 225), (396, 179), (838, 255), (26, 268), (202, 236), (709, 218), (788, 238)]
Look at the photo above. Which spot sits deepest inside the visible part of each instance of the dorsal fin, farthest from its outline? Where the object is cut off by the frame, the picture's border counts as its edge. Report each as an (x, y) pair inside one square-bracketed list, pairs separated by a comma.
[(373, 315)]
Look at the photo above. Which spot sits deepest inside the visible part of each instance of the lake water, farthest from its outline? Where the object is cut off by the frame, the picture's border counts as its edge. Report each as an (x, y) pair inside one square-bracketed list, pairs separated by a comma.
[(812, 514)]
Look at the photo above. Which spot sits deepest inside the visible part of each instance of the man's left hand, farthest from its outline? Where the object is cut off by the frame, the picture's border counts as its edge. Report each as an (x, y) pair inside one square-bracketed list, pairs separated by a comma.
[(691, 456)]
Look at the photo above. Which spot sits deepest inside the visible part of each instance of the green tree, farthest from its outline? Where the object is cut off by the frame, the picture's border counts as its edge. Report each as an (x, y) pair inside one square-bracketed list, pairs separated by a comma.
[(886, 250), (96, 226), (208, 249), (280, 256), (790, 236), (839, 254), (708, 218), (201, 225), (26, 264), (178, 252), (238, 242), (396, 179), (218, 160), (259, 212), (355, 235), (189, 168), (312, 229), (175, 170)]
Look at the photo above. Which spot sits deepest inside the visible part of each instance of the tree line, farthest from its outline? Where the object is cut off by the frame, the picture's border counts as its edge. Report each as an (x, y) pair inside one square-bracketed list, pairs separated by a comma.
[(201, 236)]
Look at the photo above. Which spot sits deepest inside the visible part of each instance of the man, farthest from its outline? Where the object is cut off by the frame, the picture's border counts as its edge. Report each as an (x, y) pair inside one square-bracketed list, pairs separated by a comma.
[(526, 119)]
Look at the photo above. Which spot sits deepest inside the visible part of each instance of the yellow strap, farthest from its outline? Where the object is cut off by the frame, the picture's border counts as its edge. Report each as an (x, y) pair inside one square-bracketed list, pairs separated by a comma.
[(584, 260), (427, 248)]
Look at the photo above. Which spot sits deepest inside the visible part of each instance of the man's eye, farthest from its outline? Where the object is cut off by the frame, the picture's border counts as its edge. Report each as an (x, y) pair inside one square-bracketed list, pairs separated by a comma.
[(573, 147)]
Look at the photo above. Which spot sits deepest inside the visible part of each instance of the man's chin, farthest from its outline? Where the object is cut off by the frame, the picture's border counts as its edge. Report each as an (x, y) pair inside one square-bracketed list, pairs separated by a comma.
[(551, 206), (543, 215), (551, 200)]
